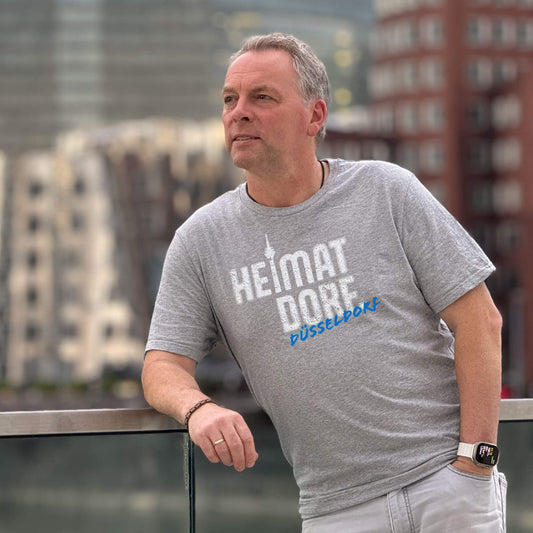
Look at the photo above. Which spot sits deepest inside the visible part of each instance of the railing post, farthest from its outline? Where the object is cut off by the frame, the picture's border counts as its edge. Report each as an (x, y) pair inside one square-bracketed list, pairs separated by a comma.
[(190, 481)]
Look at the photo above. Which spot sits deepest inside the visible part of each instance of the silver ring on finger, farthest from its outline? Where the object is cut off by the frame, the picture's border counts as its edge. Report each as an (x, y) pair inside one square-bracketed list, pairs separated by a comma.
[(218, 442)]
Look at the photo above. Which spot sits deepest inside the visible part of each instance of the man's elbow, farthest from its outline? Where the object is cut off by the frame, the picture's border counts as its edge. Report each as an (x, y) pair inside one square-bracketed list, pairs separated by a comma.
[(494, 320)]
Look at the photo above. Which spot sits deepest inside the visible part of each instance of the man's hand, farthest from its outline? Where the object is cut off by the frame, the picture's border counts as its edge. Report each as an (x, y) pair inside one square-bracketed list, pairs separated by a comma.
[(212, 423), (170, 387), (464, 464)]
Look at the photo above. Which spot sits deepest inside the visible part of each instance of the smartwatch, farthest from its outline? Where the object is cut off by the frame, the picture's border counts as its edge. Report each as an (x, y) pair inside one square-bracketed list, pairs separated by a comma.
[(482, 453)]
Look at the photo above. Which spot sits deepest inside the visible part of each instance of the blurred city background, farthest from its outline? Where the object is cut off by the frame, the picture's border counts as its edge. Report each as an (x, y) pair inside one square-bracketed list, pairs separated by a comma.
[(110, 137)]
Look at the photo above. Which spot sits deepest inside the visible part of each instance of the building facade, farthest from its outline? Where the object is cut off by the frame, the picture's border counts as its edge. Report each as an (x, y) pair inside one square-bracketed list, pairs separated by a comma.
[(89, 228), (80, 64), (450, 89)]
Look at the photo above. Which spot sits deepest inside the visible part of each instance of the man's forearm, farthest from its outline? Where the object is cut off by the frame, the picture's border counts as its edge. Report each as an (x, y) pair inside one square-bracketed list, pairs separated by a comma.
[(476, 324), (168, 386), (478, 370)]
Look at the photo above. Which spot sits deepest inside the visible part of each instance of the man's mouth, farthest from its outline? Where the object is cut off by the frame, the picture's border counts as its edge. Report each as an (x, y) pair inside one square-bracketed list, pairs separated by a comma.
[(240, 138)]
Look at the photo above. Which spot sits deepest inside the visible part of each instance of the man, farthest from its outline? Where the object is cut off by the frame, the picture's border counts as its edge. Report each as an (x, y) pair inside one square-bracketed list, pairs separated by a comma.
[(327, 281)]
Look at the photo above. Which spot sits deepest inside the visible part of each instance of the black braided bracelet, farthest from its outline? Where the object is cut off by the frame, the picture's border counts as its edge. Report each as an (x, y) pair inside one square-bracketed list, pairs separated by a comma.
[(195, 407)]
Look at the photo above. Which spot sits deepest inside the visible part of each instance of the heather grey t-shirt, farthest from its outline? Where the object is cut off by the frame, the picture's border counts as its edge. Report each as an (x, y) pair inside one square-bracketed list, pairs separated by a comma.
[(331, 309)]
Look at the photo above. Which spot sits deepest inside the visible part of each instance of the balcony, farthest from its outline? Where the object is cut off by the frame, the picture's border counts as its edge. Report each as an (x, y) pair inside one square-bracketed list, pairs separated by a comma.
[(135, 470)]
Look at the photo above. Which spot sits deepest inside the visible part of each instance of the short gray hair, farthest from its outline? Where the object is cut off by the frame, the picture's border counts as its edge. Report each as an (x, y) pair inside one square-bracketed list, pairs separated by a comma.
[(313, 82)]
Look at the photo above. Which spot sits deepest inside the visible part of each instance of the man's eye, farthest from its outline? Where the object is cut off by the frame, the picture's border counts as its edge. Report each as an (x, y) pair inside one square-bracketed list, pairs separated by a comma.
[(263, 97), (228, 99)]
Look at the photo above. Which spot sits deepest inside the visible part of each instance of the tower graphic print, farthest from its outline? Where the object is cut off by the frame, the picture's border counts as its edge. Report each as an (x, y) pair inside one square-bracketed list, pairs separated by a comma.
[(308, 287)]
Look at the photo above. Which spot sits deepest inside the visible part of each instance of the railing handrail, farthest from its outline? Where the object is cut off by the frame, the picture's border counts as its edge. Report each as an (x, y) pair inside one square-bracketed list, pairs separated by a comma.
[(84, 422), (148, 420), (516, 410)]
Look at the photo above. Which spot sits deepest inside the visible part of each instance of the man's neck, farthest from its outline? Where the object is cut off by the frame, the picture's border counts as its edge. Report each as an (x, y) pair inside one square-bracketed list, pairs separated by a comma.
[(284, 188)]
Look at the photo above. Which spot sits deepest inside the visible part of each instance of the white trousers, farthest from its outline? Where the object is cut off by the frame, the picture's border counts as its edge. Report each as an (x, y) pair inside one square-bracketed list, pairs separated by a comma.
[(449, 501)]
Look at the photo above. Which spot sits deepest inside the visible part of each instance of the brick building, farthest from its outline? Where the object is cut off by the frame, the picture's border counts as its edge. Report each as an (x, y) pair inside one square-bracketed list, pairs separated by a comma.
[(451, 87)]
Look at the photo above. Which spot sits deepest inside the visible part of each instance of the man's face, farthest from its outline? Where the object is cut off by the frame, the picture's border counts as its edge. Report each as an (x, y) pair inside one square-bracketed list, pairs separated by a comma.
[(265, 118)]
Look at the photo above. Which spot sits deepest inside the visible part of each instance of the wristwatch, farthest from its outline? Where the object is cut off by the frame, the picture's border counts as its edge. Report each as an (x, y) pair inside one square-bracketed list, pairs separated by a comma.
[(482, 453)]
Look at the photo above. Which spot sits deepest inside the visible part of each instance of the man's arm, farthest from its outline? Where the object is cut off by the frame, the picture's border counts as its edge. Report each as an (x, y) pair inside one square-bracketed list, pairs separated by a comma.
[(169, 386), (476, 324)]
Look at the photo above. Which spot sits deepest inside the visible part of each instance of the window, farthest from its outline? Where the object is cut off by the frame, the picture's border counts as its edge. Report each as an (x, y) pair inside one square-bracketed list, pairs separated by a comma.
[(524, 34), (80, 187), (507, 197), (108, 331), (69, 330), (32, 295), (431, 32), (407, 156), (406, 118), (32, 259), (382, 82), (431, 116), (507, 237), (70, 293), (77, 221), (431, 157), (505, 70), (406, 78), (504, 33), (431, 74), (478, 31), (383, 119), (479, 156), (506, 112), (377, 150), (483, 235), (399, 36), (481, 201), (71, 258), (35, 188), (33, 331), (478, 114), (34, 224), (507, 154), (479, 73)]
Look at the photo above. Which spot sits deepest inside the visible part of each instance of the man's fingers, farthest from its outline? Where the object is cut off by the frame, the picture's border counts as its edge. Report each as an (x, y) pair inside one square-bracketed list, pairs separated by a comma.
[(231, 451), (247, 440), (223, 435), (209, 450)]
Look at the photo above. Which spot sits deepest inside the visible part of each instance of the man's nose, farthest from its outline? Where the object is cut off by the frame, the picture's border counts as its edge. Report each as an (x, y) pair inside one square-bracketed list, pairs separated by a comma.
[(241, 112)]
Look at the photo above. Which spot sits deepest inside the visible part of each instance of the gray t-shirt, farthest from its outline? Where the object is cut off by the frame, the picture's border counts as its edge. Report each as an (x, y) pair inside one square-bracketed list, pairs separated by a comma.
[(330, 307)]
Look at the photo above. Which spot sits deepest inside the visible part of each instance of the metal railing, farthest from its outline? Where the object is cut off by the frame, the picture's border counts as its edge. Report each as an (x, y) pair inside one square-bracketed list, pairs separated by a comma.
[(102, 422), (138, 421), (516, 410)]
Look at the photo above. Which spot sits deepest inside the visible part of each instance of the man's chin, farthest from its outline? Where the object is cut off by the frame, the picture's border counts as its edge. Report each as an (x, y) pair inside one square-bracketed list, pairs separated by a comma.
[(243, 162)]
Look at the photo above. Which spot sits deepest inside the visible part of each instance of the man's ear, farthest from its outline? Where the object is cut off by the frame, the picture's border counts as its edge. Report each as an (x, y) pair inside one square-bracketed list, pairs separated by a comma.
[(319, 112)]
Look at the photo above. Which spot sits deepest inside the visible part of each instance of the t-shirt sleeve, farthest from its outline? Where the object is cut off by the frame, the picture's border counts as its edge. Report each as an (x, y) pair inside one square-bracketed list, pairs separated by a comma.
[(183, 320), (446, 260)]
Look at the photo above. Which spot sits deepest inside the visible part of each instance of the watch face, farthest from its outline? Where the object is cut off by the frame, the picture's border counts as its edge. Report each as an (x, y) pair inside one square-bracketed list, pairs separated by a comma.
[(487, 454)]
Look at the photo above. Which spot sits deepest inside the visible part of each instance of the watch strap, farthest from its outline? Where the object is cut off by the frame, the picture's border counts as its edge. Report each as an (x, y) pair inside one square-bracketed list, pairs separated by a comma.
[(466, 450)]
